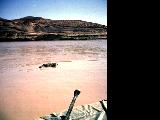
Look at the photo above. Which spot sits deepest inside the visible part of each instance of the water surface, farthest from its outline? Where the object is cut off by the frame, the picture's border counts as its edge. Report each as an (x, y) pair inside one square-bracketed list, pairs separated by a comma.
[(27, 92)]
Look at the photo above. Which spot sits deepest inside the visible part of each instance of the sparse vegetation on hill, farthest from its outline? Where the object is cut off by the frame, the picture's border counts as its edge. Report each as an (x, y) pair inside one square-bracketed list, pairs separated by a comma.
[(38, 28)]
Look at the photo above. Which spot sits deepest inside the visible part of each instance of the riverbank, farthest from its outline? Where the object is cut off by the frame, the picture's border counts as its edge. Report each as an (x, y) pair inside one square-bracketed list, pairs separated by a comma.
[(94, 111), (52, 37), (37, 28)]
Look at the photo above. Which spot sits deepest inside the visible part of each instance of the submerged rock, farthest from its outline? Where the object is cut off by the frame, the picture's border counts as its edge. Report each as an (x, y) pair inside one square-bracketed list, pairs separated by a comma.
[(49, 65)]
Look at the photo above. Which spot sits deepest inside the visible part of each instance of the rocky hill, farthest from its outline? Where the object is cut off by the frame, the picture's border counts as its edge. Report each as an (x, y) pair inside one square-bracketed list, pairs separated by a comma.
[(38, 28)]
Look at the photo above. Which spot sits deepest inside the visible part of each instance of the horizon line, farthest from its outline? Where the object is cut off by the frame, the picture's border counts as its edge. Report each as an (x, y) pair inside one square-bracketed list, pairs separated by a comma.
[(51, 19)]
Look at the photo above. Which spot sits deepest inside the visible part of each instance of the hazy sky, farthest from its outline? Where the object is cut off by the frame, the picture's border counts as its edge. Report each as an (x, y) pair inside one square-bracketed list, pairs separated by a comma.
[(87, 10)]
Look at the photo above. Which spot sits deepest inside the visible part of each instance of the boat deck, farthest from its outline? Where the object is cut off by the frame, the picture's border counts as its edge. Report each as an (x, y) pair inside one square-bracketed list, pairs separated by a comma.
[(94, 111)]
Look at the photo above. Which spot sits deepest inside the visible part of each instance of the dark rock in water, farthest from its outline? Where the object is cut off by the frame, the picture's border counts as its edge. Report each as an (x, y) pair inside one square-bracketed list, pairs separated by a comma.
[(49, 65)]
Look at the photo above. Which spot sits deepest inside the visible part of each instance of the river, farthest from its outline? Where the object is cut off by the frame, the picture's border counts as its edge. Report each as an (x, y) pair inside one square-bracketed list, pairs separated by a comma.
[(28, 92)]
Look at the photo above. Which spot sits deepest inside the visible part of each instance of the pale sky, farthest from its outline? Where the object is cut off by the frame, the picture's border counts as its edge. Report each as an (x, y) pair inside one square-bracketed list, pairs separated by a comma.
[(87, 10)]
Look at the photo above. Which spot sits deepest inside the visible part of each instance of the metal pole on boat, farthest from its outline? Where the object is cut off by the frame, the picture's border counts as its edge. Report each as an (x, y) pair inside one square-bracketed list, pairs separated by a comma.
[(76, 93)]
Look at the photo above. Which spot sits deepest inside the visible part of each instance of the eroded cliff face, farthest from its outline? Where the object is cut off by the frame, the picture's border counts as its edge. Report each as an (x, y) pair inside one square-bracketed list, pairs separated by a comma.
[(38, 28)]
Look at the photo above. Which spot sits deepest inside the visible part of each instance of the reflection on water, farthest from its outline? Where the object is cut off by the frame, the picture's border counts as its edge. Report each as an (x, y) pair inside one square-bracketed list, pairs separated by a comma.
[(27, 92)]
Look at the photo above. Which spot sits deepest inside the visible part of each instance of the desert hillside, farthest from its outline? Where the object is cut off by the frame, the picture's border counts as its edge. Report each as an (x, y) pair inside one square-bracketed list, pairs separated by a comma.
[(38, 28)]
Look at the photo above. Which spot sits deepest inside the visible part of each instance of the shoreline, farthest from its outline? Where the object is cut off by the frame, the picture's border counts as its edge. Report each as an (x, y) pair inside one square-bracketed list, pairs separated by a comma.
[(29, 40)]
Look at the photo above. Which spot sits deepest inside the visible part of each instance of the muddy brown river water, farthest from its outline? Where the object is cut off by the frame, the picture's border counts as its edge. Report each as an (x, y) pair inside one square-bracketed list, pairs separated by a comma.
[(28, 92)]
